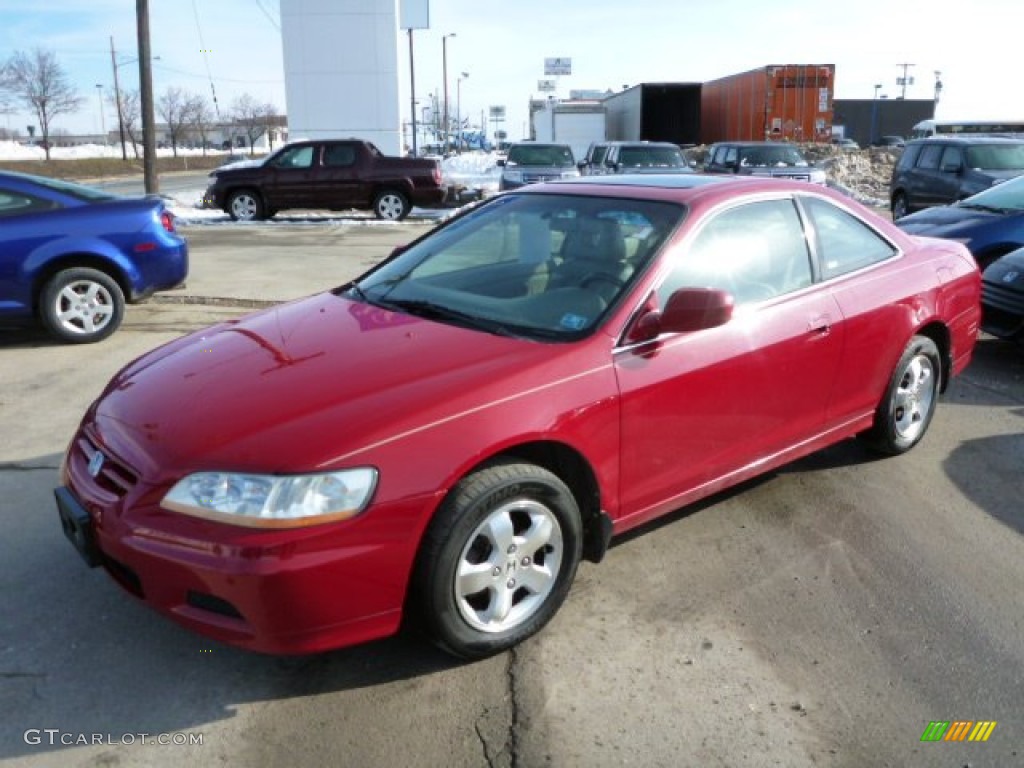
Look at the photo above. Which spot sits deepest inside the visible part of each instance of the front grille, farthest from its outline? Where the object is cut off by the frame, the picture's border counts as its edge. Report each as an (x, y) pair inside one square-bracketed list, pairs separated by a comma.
[(113, 476), (536, 178)]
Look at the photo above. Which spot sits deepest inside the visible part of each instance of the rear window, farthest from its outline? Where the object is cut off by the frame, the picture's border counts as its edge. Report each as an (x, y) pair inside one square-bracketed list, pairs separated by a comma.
[(541, 154), (77, 191)]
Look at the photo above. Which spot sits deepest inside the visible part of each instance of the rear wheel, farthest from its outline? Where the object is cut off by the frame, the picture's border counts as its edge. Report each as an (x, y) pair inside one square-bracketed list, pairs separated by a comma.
[(498, 559), (81, 305), (909, 403), (391, 205)]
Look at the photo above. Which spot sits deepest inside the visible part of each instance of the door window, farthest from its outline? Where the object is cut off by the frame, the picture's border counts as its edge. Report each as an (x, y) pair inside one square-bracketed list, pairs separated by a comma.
[(755, 252), (845, 244)]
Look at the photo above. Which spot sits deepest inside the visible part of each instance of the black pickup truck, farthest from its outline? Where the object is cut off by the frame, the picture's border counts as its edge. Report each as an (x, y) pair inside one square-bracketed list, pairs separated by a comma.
[(331, 174)]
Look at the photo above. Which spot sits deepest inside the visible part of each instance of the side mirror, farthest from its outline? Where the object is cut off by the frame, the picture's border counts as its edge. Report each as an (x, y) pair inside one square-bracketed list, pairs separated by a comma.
[(687, 310), (696, 309), (500, 163)]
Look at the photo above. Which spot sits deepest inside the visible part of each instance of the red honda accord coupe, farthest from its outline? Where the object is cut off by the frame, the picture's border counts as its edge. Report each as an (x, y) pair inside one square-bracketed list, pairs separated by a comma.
[(446, 437)]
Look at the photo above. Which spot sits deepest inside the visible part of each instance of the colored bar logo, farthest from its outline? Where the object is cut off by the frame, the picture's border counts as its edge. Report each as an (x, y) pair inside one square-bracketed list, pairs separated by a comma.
[(958, 730)]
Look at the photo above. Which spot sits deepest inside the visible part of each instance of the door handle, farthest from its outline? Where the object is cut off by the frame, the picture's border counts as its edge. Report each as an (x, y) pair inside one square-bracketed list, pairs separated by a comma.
[(820, 324)]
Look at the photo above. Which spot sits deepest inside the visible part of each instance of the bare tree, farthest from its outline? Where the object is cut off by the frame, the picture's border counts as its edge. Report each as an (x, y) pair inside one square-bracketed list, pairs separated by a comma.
[(254, 117), (175, 108), (201, 119), (131, 117), (39, 82)]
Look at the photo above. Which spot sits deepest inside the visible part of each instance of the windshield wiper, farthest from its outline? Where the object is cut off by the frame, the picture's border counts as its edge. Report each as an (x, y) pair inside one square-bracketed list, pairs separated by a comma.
[(980, 207), (434, 311)]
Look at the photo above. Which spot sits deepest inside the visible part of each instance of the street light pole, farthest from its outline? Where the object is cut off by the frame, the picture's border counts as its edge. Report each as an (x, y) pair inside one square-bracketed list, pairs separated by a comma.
[(458, 112), (103, 125), (874, 111), (444, 78)]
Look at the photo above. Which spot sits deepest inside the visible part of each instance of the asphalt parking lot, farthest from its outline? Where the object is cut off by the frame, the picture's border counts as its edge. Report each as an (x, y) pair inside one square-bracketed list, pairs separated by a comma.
[(820, 616)]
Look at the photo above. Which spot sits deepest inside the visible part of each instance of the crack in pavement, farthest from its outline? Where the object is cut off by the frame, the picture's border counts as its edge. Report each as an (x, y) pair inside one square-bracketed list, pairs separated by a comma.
[(513, 727)]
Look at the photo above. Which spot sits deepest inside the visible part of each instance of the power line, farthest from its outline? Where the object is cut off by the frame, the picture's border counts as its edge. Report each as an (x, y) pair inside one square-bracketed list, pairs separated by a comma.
[(270, 18), (206, 59)]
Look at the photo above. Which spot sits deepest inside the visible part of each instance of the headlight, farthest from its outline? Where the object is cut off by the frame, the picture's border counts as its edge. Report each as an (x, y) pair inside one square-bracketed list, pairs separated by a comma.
[(516, 176), (273, 501), (571, 174)]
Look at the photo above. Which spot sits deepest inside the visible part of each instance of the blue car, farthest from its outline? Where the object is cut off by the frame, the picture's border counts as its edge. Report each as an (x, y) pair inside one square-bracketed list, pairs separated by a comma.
[(71, 256), (990, 223)]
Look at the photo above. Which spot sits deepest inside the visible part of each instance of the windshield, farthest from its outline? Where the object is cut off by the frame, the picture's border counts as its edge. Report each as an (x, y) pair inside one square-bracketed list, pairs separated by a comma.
[(537, 266), (541, 154), (767, 157), (1009, 195), (651, 157), (996, 157)]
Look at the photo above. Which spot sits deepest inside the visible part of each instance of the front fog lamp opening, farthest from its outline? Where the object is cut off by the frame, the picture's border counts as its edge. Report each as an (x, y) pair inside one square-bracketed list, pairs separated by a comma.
[(273, 501)]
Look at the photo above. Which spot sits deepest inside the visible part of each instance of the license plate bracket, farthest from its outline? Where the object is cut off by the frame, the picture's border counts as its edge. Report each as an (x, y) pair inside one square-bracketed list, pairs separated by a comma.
[(78, 527)]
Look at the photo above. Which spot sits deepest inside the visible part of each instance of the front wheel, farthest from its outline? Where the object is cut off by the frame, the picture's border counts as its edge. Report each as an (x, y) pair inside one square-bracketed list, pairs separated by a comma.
[(245, 205), (81, 305), (391, 205), (899, 206), (498, 559), (909, 403)]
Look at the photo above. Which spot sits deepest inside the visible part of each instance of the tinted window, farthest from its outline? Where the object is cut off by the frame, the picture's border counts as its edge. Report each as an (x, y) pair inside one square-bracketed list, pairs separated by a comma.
[(996, 157), (845, 244), (599, 152), (339, 155), (13, 203), (951, 159), (930, 157), (540, 154), (908, 157), (754, 251)]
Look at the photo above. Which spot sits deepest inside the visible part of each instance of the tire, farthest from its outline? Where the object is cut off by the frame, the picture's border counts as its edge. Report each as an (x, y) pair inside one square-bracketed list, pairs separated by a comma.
[(498, 559), (906, 410), (391, 205), (245, 205), (899, 206), (81, 305)]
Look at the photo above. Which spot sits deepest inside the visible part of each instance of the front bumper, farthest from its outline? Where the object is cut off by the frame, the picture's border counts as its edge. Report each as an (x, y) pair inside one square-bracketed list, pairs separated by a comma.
[(282, 592), (1002, 310)]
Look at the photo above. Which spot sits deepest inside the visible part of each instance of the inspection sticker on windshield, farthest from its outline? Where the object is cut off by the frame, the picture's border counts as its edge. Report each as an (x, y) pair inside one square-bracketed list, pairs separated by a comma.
[(573, 322)]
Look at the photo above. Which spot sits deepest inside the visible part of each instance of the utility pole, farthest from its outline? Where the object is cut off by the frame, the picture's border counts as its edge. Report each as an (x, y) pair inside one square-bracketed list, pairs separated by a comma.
[(412, 95), (152, 182), (904, 81)]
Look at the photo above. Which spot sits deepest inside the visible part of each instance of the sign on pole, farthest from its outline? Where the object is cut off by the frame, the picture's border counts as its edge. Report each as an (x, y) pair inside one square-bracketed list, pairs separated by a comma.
[(545, 86), (497, 113)]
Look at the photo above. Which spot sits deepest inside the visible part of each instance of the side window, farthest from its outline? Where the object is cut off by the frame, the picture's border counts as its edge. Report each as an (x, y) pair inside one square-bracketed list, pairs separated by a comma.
[(908, 157), (339, 155), (755, 252), (15, 203), (930, 156), (952, 159), (297, 157), (844, 243), (731, 153)]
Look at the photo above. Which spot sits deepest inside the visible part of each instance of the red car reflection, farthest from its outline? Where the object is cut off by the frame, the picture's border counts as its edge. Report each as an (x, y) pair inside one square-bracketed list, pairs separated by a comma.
[(449, 435)]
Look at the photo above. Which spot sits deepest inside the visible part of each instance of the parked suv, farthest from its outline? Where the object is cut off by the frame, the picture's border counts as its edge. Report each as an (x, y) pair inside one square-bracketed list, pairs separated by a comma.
[(940, 171), (762, 158), (592, 163), (645, 157), (530, 162)]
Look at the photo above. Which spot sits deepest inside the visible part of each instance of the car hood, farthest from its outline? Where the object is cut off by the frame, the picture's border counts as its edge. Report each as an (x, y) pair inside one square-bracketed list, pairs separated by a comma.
[(945, 221), (325, 376)]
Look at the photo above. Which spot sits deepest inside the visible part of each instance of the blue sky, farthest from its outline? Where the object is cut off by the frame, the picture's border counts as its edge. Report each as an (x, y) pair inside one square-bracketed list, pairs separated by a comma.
[(503, 45)]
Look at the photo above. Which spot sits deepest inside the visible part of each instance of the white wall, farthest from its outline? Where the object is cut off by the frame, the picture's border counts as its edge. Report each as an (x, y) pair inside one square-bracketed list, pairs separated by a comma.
[(341, 70)]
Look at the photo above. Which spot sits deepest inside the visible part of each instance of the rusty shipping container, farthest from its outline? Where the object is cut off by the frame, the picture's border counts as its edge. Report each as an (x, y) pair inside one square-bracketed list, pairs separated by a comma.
[(788, 102)]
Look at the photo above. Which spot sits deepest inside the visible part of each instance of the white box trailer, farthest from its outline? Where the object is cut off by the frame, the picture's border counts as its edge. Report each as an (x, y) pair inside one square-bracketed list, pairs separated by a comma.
[(577, 124)]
